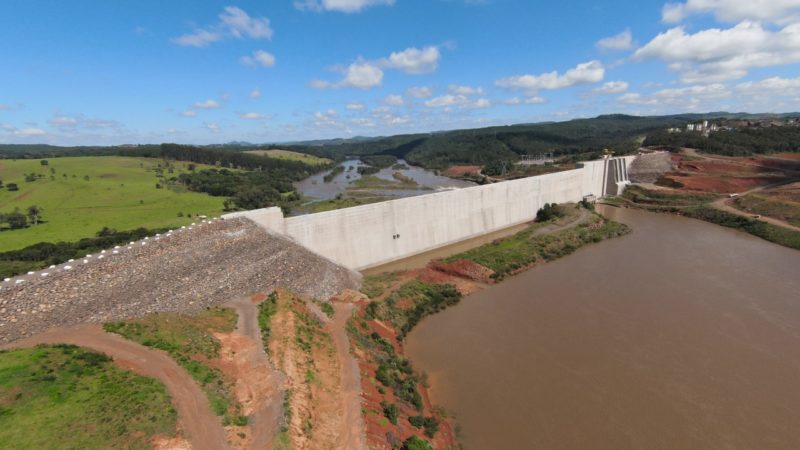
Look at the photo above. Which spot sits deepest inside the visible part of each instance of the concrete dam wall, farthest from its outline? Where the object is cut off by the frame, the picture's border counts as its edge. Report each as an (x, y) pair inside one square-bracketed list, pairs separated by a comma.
[(371, 235)]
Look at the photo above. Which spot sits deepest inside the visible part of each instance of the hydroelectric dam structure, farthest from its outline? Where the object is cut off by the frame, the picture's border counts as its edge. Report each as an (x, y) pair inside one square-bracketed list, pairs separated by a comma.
[(372, 235)]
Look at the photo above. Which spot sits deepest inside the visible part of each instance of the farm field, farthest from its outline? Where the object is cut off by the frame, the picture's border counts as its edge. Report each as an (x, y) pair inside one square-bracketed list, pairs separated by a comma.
[(120, 193), (293, 156)]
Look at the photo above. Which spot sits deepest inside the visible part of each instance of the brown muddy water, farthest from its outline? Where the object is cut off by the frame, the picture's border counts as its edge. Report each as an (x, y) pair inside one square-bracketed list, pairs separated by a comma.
[(682, 335)]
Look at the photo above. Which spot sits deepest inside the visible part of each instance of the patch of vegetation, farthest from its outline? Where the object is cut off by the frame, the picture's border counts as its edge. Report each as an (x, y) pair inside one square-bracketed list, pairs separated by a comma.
[(415, 443), (327, 308), (68, 397), (655, 197), (190, 342), (769, 232), (379, 161), (333, 174), (44, 254), (770, 207), (430, 424), (340, 203), (390, 411), (375, 285), (292, 156), (738, 142), (506, 256), (266, 310)]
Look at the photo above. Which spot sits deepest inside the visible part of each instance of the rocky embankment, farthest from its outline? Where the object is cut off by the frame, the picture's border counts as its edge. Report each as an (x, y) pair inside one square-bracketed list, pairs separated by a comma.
[(183, 271), (649, 168)]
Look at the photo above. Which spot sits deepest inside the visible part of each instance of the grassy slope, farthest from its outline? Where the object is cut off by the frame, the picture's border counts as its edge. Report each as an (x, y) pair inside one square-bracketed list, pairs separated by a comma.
[(292, 156), (67, 397), (75, 208), (770, 207), (508, 255), (189, 341)]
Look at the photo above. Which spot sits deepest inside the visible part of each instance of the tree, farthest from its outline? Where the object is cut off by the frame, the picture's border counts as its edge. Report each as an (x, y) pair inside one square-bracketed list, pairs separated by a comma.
[(12, 187), (44, 162), (415, 443), (16, 220), (35, 214)]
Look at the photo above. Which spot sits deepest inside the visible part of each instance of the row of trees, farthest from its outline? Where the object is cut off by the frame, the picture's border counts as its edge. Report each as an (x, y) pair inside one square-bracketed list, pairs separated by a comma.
[(17, 219)]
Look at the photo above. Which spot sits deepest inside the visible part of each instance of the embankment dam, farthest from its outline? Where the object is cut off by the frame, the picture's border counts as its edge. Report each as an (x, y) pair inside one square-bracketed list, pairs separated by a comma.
[(371, 235)]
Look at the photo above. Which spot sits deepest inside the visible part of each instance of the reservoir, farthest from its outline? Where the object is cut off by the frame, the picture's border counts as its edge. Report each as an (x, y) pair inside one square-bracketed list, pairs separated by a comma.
[(682, 334)]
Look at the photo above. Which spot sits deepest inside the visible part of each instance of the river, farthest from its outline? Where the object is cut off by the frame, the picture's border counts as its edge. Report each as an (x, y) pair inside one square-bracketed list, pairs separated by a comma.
[(315, 186), (681, 335)]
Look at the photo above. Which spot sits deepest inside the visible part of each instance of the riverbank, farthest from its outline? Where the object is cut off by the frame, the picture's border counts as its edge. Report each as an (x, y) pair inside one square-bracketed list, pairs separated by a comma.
[(655, 340), (397, 407), (709, 208)]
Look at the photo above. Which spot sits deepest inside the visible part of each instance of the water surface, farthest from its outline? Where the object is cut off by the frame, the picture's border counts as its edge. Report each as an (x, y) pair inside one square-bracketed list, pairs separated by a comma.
[(681, 335)]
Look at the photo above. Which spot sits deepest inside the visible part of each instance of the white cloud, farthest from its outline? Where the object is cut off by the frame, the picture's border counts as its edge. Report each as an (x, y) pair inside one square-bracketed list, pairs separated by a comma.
[(188, 113), (240, 24), (255, 93), (775, 11), (355, 106), (723, 54), (622, 41), (327, 119), (63, 121), (252, 116), (29, 132), (347, 6), (535, 100), (211, 126), (690, 97), (589, 72), (419, 92), (481, 103), (446, 100), (360, 74), (774, 85), (512, 101), (233, 22), (394, 100), (207, 104), (612, 87), (465, 90), (413, 60), (364, 74), (199, 38), (259, 58)]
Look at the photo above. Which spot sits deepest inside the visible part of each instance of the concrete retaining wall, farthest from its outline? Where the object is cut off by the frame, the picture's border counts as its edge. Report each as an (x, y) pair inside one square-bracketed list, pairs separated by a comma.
[(371, 235)]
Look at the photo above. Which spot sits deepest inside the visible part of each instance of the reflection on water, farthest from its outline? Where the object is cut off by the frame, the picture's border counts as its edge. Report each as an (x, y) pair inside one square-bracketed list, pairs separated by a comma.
[(316, 188), (680, 335)]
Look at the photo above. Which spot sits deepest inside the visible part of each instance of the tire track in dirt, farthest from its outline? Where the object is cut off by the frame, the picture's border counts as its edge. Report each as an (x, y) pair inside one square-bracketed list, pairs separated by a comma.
[(258, 384), (352, 434), (202, 427)]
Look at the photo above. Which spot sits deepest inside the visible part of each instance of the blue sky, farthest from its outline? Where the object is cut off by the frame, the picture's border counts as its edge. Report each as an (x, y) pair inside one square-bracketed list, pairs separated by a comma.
[(98, 72)]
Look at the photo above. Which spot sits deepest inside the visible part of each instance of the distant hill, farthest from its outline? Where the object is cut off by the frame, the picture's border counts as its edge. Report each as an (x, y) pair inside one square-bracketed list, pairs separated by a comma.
[(576, 139)]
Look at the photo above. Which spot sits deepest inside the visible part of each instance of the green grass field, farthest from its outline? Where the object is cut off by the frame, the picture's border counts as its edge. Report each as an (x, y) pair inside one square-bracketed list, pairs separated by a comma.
[(120, 193), (292, 156), (67, 397)]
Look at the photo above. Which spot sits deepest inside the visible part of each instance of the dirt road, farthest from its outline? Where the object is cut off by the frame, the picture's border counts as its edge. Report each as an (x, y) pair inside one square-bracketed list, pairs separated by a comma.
[(202, 427), (258, 384), (724, 204), (352, 434)]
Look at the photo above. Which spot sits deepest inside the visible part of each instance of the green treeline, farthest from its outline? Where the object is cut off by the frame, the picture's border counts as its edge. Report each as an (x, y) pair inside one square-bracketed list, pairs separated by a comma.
[(739, 142)]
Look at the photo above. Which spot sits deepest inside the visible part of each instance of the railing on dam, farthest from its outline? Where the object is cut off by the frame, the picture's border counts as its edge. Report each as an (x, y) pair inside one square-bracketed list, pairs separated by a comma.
[(371, 235)]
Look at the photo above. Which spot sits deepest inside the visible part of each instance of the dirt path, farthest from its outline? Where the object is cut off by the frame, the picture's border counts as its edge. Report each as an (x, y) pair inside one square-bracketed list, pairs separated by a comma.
[(352, 435), (724, 204), (258, 384), (202, 427)]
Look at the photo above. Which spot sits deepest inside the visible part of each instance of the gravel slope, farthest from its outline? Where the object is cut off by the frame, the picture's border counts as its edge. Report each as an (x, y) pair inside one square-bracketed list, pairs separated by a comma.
[(185, 271)]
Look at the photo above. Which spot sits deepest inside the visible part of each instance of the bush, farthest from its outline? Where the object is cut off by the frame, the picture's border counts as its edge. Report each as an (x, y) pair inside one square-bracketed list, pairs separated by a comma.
[(415, 443), (390, 411)]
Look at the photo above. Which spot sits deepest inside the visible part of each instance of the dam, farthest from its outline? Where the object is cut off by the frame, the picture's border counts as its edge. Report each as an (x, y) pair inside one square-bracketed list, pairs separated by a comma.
[(371, 235)]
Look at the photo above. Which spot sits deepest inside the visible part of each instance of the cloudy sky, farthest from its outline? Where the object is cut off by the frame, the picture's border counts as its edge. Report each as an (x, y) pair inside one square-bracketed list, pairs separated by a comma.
[(99, 72)]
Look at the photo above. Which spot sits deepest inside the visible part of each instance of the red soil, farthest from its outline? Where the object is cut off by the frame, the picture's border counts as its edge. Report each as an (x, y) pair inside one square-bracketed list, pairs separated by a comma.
[(717, 184), (465, 269), (457, 171)]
